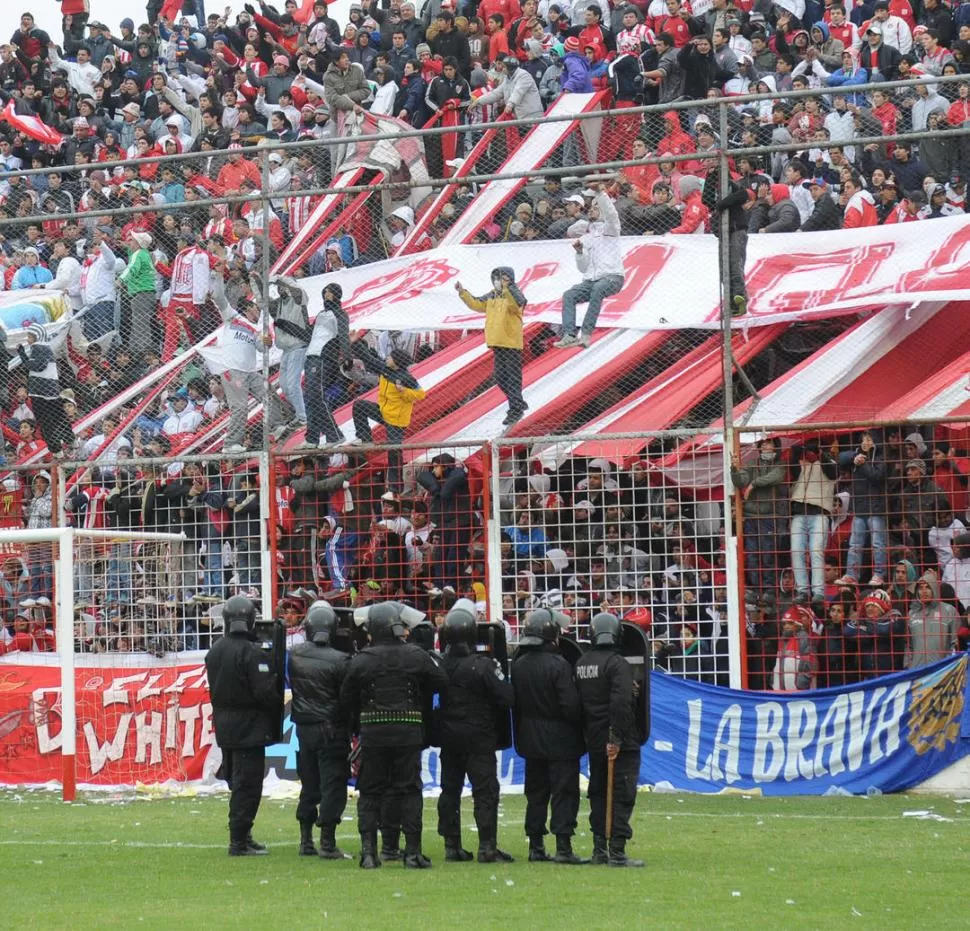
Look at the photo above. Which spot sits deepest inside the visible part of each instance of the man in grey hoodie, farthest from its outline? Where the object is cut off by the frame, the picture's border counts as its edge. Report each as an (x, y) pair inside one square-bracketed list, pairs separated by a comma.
[(932, 624), (292, 338)]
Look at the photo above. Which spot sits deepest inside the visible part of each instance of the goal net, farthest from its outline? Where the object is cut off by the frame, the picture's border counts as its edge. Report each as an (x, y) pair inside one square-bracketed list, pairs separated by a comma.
[(102, 679)]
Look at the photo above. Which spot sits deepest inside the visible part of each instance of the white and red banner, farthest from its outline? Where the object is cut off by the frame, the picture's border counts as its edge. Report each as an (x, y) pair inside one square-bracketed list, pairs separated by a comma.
[(671, 281), (32, 126), (134, 725)]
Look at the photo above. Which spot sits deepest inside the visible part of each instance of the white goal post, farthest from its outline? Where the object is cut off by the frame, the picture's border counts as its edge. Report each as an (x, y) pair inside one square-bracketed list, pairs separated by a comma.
[(63, 560)]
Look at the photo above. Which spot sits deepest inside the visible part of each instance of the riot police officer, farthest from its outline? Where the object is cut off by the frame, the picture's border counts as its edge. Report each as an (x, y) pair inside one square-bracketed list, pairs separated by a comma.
[(317, 671), (477, 690), (548, 734), (385, 689), (605, 682), (246, 710)]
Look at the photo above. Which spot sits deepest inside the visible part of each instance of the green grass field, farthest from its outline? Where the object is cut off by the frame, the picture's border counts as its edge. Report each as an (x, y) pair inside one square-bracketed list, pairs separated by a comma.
[(727, 862)]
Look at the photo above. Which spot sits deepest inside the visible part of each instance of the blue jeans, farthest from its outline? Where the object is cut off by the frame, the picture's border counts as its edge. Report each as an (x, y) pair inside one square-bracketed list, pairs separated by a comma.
[(808, 535), (98, 320), (760, 552), (873, 527), (40, 565), (291, 375), (119, 574), (593, 291)]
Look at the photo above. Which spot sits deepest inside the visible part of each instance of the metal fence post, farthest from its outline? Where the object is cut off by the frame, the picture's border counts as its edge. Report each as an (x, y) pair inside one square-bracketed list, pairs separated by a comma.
[(735, 620), (493, 539)]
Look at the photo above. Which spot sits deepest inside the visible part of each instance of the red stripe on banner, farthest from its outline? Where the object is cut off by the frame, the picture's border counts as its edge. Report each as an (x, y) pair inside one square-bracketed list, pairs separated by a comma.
[(679, 388)]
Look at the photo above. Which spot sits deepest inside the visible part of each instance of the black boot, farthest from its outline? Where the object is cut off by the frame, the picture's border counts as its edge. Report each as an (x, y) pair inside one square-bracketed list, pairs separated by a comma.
[(413, 858), (537, 850), (243, 845), (391, 845), (489, 853), (618, 855), (368, 851), (601, 854), (306, 839), (454, 853), (328, 844), (564, 851)]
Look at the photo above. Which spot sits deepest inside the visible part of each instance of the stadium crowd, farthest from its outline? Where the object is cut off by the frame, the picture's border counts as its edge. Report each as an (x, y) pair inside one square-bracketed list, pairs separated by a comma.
[(144, 283)]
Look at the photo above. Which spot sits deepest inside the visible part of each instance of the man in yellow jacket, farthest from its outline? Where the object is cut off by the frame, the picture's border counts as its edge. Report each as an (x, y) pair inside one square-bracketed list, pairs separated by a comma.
[(397, 392), (503, 307)]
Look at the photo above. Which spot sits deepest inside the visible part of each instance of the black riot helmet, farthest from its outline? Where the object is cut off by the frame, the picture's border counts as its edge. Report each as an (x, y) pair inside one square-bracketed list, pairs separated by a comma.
[(384, 622), (239, 615), (321, 623), (461, 624), (604, 630), (542, 626)]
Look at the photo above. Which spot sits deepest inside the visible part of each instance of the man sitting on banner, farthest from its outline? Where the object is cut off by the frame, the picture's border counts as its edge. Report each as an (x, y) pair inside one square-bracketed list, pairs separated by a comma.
[(600, 259), (397, 390)]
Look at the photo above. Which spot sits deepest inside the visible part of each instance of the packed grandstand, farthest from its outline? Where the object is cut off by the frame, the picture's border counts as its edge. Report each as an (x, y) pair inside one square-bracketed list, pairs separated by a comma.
[(175, 187)]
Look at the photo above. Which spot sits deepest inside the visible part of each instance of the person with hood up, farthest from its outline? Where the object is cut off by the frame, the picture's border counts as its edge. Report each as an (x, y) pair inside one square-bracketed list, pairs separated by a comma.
[(859, 207), (774, 211), (869, 474), (550, 84), (575, 77), (933, 624), (849, 74), (600, 259), (697, 217), (677, 142), (535, 63), (928, 100), (826, 49), (503, 307)]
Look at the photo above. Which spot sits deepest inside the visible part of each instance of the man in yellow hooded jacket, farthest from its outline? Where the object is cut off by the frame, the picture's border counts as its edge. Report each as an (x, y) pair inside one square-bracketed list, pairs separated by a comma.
[(397, 392), (503, 307)]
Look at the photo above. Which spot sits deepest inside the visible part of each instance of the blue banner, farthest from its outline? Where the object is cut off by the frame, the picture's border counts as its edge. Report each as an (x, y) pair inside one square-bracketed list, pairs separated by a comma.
[(885, 734), (889, 734)]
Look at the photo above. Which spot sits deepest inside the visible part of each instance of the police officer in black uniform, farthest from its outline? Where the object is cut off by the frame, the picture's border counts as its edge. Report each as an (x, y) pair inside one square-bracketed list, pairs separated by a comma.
[(385, 689), (605, 682), (548, 734), (477, 688), (317, 671), (246, 710)]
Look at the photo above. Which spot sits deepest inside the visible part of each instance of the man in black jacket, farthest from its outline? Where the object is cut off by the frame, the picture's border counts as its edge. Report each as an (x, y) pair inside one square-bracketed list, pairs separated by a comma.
[(548, 734), (738, 202), (385, 690), (450, 43), (451, 513), (246, 710), (825, 216), (317, 672), (605, 682), (477, 691)]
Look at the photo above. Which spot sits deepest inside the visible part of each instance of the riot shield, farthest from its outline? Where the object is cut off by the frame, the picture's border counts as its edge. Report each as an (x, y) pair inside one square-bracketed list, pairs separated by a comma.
[(270, 637), (571, 649), (636, 650), (490, 639)]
